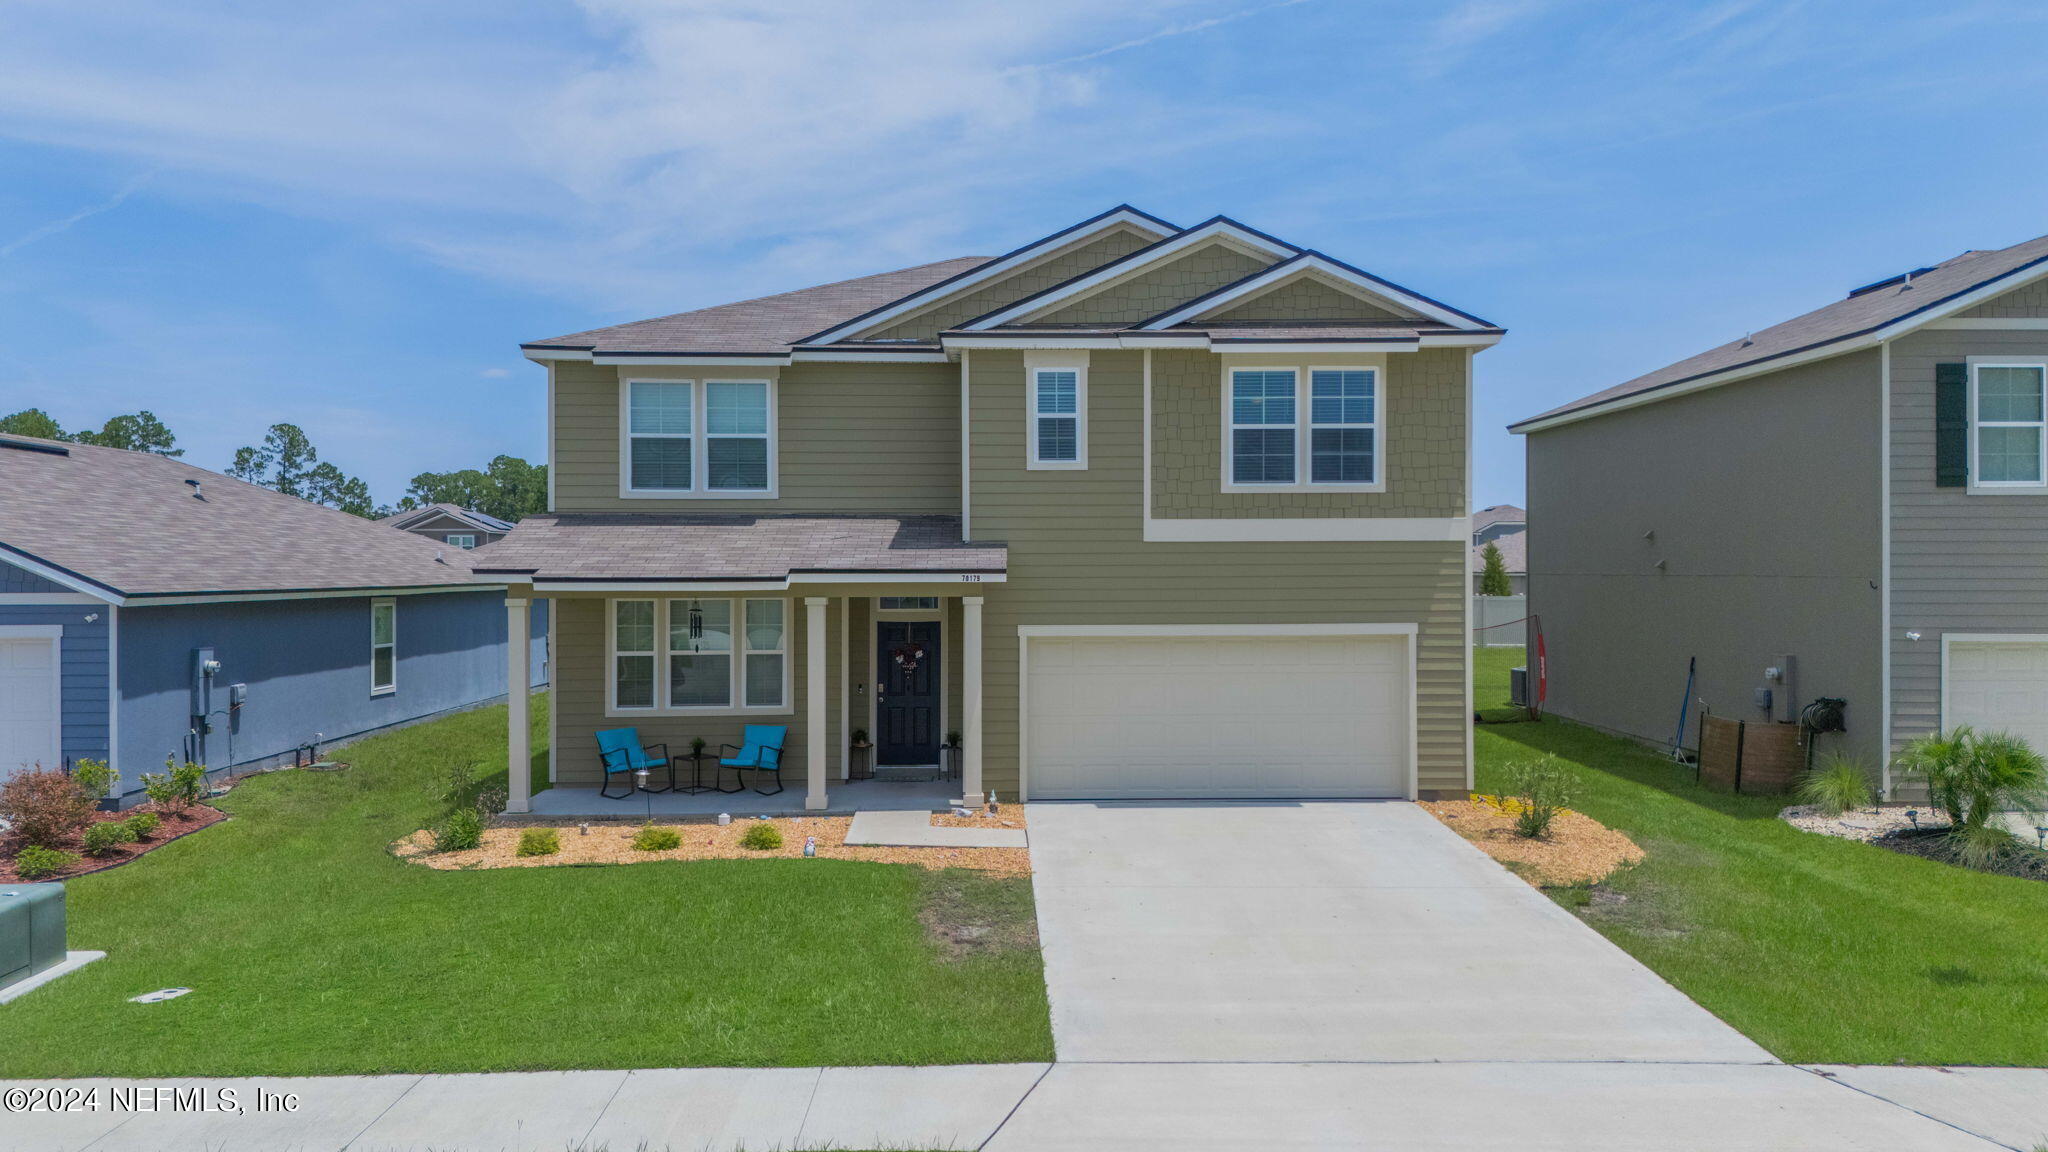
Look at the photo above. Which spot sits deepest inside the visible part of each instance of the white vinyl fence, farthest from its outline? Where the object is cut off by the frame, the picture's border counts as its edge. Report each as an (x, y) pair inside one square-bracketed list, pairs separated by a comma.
[(1497, 621)]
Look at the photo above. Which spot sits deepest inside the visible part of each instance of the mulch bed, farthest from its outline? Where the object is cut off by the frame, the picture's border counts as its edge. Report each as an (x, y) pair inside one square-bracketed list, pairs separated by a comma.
[(2017, 859), (174, 824), (613, 844), (1579, 849)]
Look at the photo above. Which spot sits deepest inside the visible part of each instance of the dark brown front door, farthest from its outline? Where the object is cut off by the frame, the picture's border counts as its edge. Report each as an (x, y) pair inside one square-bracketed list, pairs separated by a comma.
[(907, 701)]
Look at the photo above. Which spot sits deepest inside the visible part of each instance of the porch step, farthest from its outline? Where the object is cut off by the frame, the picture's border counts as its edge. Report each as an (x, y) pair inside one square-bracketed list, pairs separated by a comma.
[(905, 775), (914, 830)]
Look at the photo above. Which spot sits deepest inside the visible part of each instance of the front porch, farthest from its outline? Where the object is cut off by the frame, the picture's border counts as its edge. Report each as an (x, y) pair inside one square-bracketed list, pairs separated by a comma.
[(845, 799)]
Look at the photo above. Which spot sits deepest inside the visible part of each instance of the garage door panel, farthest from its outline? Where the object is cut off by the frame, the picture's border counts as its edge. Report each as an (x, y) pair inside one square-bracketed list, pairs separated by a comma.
[(1999, 686), (1226, 717), (28, 705)]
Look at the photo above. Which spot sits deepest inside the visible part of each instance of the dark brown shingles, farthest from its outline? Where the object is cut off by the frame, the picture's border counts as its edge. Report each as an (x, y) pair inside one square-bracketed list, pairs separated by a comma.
[(664, 546), (129, 522)]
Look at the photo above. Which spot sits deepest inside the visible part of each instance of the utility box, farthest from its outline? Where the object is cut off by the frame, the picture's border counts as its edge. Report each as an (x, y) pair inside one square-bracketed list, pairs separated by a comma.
[(1518, 687), (31, 930)]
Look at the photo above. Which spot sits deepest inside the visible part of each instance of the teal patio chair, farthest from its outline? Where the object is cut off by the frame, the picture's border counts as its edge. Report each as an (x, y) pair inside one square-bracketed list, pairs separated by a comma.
[(760, 751), (620, 750)]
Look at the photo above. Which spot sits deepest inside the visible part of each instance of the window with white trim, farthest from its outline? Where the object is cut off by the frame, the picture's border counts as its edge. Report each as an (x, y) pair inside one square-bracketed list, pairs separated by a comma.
[(464, 540), (700, 654), (909, 604), (1302, 429), (383, 646), (2009, 425), (698, 438), (1059, 417)]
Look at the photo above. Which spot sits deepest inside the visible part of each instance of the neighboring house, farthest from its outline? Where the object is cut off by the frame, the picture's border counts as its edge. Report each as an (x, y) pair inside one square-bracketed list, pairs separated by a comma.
[(450, 525), (1138, 510), (1862, 489), (1514, 554), (149, 608), (1496, 521)]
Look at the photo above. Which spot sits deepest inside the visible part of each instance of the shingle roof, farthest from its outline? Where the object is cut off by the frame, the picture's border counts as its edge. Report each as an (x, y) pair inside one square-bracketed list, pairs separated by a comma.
[(1863, 312), (1514, 552), (1498, 513), (131, 523), (657, 546), (487, 523), (769, 325)]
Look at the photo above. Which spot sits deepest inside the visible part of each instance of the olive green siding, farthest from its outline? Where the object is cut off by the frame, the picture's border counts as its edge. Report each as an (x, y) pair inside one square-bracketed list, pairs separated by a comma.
[(1305, 299), (1422, 414), (1077, 556), (1055, 269), (2021, 303), (853, 438), (1140, 297)]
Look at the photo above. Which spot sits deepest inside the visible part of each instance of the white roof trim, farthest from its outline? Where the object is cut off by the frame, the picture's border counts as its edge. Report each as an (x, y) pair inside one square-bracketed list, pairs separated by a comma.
[(920, 579), (1897, 328), (1306, 263), (55, 575), (1149, 257), (944, 290), (1225, 345)]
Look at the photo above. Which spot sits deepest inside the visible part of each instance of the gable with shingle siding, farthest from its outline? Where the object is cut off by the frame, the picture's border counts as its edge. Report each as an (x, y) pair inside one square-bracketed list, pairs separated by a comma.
[(1156, 289), (2024, 302), (1057, 269), (1305, 299)]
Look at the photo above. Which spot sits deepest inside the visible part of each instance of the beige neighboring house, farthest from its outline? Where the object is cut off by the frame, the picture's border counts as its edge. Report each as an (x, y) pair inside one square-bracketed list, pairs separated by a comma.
[(450, 525), (1140, 511)]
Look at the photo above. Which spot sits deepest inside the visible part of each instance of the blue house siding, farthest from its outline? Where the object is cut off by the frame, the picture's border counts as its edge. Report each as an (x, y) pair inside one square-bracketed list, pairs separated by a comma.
[(307, 665), (82, 668)]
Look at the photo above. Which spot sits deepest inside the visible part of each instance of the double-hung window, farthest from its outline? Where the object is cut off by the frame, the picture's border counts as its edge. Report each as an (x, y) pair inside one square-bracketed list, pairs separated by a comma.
[(2009, 425), (710, 654), (704, 439), (1058, 407), (1302, 429), (383, 646)]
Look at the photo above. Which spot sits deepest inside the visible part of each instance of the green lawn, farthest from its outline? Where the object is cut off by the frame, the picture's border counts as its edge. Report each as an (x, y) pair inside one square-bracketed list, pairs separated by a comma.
[(311, 950), (1821, 950)]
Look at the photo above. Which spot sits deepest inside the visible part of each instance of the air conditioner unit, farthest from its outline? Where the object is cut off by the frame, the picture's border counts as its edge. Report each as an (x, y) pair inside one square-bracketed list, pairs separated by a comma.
[(1518, 687)]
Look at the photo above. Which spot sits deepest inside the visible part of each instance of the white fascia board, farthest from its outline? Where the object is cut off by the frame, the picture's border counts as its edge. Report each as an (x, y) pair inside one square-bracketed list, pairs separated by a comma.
[(987, 272), (1117, 270), (962, 342), (1930, 319), (1993, 324), (1085, 631), (55, 575), (1474, 340), (711, 359), (1252, 348), (1311, 529), (1310, 347), (614, 587), (543, 355), (1310, 262), (146, 601), (870, 356)]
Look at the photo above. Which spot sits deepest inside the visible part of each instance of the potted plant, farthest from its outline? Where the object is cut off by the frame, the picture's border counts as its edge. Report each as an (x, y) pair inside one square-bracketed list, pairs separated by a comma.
[(860, 738), (696, 746)]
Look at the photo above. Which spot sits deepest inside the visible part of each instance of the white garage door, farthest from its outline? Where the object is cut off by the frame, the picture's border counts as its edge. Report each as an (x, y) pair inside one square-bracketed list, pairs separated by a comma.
[(1999, 686), (1217, 717), (28, 704)]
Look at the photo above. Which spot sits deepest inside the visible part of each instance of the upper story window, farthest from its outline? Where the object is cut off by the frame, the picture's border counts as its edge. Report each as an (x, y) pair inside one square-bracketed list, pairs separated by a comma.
[(702, 439), (1296, 429), (2008, 425), (1058, 411), (462, 539), (715, 654)]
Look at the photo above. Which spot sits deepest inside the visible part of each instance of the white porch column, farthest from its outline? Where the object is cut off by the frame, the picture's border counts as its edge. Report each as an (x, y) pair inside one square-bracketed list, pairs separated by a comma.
[(814, 701), (518, 693), (970, 702)]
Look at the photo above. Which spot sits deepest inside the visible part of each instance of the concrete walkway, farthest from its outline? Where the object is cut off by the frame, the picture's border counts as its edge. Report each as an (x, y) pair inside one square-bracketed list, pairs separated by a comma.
[(1323, 932)]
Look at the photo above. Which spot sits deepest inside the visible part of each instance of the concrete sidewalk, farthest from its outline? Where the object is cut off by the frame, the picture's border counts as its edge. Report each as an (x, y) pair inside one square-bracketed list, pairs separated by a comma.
[(1415, 1107)]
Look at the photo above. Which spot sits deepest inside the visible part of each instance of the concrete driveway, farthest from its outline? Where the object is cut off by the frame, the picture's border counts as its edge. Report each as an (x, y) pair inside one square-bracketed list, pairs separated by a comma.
[(1365, 931)]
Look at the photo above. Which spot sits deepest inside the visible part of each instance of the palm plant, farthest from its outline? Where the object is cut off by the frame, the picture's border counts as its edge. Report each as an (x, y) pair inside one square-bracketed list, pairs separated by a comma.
[(1973, 775)]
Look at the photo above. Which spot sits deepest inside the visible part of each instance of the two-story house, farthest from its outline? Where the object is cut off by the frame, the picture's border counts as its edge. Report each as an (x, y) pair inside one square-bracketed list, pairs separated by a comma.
[(1137, 510), (450, 524), (1855, 500)]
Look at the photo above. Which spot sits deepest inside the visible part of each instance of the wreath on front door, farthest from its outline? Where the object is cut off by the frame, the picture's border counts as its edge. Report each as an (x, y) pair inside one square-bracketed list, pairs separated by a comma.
[(908, 656)]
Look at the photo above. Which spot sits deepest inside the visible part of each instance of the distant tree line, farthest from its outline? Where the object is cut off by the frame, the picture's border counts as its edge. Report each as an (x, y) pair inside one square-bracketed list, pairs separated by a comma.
[(507, 488)]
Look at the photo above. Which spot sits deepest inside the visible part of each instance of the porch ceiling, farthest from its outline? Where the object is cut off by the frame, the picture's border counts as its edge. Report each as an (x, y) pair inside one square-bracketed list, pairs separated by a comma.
[(600, 549)]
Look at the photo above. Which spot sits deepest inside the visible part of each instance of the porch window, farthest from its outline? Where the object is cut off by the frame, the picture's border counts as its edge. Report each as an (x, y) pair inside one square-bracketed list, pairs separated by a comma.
[(383, 646), (2009, 425), (711, 654), (633, 653), (1059, 418), (1262, 426), (910, 604), (658, 422)]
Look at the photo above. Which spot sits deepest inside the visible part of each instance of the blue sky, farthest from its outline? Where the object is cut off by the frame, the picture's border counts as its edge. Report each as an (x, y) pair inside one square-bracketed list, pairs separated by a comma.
[(348, 216)]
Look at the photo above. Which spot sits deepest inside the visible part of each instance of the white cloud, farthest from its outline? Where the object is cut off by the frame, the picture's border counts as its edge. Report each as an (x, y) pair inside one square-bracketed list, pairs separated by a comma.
[(63, 223), (495, 373)]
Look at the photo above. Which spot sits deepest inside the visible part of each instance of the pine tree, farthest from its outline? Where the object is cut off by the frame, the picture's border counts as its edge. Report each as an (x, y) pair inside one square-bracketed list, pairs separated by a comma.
[(1493, 581)]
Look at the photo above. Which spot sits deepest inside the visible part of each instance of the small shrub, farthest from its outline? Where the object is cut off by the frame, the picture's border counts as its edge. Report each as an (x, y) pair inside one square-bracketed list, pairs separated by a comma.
[(762, 837), (177, 787), (1541, 788), (37, 863), (44, 807), (93, 777), (144, 824), (652, 839), (1836, 784), (539, 842), (102, 838), (461, 831)]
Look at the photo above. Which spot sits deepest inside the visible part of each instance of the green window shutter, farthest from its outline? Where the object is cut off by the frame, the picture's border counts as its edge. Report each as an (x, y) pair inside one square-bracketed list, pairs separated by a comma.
[(1951, 425)]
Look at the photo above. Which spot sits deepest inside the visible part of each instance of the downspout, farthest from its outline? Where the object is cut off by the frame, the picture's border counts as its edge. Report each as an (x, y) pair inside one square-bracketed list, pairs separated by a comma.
[(1884, 565), (966, 427)]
